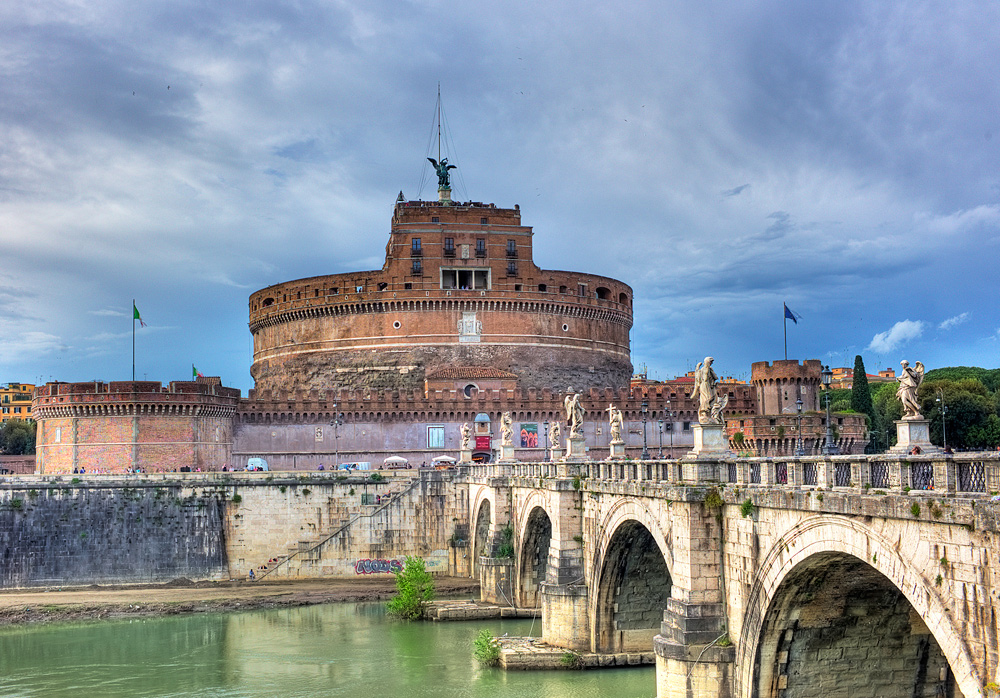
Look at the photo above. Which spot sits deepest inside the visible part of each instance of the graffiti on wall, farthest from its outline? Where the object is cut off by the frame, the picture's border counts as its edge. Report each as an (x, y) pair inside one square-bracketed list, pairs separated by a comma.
[(378, 566)]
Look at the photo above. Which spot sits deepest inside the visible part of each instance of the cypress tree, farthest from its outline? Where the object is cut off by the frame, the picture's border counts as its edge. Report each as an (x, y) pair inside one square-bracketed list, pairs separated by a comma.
[(861, 396)]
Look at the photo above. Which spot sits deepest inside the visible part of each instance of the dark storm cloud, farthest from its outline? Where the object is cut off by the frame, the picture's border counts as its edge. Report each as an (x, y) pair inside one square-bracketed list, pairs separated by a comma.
[(287, 131)]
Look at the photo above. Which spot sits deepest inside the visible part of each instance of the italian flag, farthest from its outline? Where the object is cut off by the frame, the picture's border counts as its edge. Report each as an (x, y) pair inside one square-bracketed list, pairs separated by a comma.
[(195, 373), (136, 316)]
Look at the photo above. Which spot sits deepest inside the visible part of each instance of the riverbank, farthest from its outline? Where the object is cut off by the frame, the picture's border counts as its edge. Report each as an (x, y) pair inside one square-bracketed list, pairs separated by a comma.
[(180, 596)]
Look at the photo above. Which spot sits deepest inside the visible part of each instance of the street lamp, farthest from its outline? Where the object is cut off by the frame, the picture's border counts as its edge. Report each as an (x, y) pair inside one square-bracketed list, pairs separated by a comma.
[(944, 412), (799, 451), (645, 408), (336, 436), (670, 427), (545, 425), (659, 454), (829, 448)]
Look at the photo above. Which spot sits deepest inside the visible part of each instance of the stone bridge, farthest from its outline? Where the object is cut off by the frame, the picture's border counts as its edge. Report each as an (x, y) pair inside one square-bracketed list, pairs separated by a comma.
[(825, 576)]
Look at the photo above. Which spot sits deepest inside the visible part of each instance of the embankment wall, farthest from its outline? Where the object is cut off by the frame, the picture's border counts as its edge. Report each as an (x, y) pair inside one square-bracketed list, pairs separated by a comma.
[(93, 529)]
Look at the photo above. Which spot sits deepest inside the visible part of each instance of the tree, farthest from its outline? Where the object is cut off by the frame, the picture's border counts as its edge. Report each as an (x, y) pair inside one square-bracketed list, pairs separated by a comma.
[(861, 396), (414, 586), (17, 437), (970, 406)]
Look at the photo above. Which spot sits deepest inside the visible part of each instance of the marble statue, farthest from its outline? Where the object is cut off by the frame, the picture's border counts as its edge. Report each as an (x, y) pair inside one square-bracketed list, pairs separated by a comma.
[(710, 403), (506, 429), (444, 177), (554, 435), (616, 422), (909, 380), (574, 413), (466, 437)]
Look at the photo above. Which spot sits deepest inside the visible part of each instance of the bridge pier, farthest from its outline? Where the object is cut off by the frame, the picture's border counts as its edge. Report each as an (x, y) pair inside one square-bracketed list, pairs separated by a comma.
[(565, 597), (688, 664)]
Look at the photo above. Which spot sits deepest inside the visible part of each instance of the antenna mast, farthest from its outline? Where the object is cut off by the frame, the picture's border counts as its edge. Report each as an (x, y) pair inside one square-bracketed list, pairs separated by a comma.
[(439, 121)]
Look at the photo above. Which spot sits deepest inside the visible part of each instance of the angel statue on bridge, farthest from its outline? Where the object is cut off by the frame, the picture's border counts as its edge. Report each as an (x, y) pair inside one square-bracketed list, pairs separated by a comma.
[(710, 403), (506, 429), (574, 413), (909, 380)]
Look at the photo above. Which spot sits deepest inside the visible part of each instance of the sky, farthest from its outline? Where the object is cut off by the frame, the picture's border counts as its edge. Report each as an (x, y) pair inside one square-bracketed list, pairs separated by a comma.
[(723, 158)]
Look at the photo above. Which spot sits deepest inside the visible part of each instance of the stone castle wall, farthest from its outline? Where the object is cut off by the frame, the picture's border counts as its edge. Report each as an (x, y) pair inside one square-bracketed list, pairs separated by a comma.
[(781, 383), (122, 426)]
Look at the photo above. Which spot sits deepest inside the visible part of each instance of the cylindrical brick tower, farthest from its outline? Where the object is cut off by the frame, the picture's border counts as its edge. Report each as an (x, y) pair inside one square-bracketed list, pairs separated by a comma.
[(780, 384), (458, 289)]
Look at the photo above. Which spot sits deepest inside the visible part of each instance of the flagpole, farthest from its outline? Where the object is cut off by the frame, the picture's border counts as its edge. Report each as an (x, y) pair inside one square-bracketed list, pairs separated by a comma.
[(784, 316), (133, 340)]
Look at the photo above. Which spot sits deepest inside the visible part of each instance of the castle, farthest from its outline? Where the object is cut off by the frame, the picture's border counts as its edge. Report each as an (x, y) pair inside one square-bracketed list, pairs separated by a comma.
[(458, 326)]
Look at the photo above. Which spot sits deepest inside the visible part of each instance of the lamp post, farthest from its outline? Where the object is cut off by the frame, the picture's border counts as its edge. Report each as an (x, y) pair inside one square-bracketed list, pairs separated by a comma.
[(829, 448), (645, 450), (659, 454), (336, 436), (944, 413), (545, 426), (670, 427), (799, 451)]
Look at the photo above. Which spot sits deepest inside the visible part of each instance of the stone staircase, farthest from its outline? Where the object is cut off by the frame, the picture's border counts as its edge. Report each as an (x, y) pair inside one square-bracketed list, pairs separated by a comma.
[(311, 549)]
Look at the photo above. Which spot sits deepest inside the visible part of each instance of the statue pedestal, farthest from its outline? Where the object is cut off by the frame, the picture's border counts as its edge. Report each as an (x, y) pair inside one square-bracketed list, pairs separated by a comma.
[(617, 450), (465, 456), (576, 450), (507, 454), (709, 440), (913, 432), (444, 195)]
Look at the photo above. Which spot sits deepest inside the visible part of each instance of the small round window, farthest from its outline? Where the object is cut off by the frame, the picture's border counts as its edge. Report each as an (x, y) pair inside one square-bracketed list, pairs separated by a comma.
[(397, 324), (471, 390), (565, 328)]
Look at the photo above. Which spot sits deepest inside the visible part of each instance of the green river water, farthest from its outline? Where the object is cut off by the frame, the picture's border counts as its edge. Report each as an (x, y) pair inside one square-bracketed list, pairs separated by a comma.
[(330, 650)]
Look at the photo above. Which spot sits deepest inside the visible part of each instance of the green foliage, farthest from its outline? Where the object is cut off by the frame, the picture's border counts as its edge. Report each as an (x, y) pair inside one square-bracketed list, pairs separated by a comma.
[(861, 396), (75, 481), (739, 438), (377, 477), (486, 648), (506, 547), (713, 499), (570, 660), (747, 508), (915, 510), (819, 497), (16, 504), (17, 437), (237, 498), (414, 587), (779, 432), (972, 417), (306, 491), (989, 377), (283, 489), (576, 482), (938, 580)]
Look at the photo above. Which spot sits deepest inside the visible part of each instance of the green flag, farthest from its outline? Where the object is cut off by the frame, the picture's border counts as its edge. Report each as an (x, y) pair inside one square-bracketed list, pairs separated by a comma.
[(136, 316)]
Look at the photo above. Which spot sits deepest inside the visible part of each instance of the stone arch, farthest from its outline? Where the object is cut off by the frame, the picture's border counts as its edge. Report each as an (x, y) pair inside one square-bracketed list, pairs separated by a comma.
[(481, 531), (533, 557), (632, 578), (844, 544)]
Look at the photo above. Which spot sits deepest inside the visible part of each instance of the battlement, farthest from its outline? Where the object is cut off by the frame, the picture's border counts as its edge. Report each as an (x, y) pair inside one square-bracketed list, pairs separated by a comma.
[(785, 368)]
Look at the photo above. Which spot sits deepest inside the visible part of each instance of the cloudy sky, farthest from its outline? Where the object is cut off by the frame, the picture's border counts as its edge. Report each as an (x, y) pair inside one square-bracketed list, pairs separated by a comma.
[(721, 157)]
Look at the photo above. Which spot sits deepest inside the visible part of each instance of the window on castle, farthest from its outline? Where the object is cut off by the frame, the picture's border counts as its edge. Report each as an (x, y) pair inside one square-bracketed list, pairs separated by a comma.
[(480, 247), (484, 221), (407, 286), (415, 249), (435, 436), (687, 426), (542, 288), (418, 267), (465, 279), (435, 219), (511, 268)]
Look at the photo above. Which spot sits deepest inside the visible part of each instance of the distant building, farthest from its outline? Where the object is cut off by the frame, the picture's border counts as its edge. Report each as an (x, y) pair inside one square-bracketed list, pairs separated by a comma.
[(843, 377), (15, 401)]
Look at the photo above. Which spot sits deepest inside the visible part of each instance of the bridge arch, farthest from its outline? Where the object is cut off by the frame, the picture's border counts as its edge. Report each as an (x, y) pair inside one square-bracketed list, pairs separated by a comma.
[(844, 565), (533, 556), (631, 574), (481, 532)]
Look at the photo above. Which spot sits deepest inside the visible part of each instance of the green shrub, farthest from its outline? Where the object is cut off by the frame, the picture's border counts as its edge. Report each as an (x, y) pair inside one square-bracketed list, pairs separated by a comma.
[(819, 497), (915, 509), (237, 498), (486, 648), (570, 660), (747, 508), (506, 547), (377, 477), (306, 492), (713, 500), (283, 489), (414, 588), (16, 504)]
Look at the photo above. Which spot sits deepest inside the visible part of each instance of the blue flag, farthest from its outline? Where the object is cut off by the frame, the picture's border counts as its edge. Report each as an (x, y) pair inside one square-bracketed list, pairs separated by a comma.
[(791, 316)]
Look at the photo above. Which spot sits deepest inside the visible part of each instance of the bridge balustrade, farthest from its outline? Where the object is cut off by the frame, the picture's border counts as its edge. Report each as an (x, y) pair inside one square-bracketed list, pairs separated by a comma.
[(841, 474)]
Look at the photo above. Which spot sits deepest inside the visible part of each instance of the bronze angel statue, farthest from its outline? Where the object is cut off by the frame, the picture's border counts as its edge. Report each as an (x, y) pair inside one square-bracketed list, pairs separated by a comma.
[(444, 178)]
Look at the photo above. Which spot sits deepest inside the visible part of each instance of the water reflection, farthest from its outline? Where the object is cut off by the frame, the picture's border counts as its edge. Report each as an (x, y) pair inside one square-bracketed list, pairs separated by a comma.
[(333, 650)]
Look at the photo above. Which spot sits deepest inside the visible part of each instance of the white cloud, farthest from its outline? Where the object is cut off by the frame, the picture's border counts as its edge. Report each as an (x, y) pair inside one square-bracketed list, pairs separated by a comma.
[(953, 321), (902, 331), (108, 313)]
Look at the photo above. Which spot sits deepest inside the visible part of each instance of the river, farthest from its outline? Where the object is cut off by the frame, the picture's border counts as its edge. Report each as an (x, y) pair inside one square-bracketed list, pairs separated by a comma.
[(329, 650)]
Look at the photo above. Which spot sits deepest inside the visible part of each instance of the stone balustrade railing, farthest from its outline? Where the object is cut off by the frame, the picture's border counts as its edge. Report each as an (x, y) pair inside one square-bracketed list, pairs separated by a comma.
[(966, 474)]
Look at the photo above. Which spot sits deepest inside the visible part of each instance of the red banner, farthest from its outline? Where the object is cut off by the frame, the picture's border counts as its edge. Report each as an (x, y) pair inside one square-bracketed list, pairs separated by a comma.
[(483, 443)]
